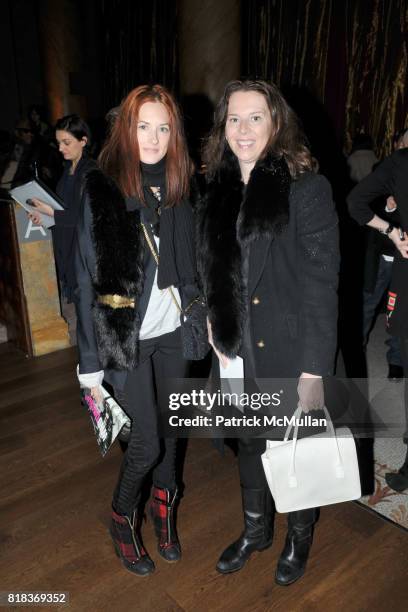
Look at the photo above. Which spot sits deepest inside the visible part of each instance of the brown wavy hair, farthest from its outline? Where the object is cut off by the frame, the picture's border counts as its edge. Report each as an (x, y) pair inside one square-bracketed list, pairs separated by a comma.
[(287, 139), (120, 157)]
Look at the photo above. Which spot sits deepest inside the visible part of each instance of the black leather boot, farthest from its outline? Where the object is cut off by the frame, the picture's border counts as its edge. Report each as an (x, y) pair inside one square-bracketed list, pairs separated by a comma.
[(259, 511), (398, 481), (292, 562), (128, 546), (162, 514)]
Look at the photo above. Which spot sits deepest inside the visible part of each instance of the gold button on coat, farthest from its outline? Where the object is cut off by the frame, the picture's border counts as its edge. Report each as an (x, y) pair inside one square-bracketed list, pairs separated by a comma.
[(256, 300), (260, 344)]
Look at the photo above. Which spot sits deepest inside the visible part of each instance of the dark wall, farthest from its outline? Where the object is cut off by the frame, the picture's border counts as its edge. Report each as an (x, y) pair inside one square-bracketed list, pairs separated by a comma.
[(139, 45), (20, 73), (122, 43)]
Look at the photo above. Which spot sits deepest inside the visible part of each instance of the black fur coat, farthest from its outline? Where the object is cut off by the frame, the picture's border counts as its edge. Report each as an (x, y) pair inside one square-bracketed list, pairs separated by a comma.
[(268, 255)]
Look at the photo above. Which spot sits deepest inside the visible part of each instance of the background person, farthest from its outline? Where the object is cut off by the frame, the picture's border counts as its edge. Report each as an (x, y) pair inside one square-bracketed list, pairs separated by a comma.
[(28, 157), (35, 115), (73, 137), (391, 177), (362, 157), (378, 261)]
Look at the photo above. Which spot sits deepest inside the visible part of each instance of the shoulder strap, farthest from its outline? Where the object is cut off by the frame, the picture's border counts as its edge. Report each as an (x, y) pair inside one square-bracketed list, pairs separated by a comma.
[(156, 259)]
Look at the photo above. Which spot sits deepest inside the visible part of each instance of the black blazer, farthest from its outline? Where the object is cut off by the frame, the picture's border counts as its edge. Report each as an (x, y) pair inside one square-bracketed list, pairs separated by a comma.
[(389, 178), (292, 287), (66, 221), (272, 268)]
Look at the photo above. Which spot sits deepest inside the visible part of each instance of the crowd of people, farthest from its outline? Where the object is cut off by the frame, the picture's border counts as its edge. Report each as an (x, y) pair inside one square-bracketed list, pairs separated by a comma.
[(254, 238), (30, 151)]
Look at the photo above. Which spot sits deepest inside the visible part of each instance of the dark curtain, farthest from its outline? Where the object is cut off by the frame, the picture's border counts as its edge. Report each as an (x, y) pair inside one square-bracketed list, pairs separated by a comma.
[(287, 41), (139, 46), (377, 97), (349, 56)]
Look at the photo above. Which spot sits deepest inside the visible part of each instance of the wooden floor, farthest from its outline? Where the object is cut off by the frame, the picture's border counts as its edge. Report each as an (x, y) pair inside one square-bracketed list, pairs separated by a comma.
[(54, 513)]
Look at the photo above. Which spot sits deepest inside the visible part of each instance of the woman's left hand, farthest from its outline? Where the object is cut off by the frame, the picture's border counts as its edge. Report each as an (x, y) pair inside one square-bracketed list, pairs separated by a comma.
[(311, 392), (223, 359), (35, 218), (42, 207)]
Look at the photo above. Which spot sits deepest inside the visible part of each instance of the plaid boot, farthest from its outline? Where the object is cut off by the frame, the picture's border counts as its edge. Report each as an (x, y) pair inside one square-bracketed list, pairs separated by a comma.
[(162, 513), (128, 546)]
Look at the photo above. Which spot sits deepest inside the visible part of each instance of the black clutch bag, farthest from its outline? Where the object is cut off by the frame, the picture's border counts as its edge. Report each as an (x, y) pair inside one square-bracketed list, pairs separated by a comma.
[(194, 334)]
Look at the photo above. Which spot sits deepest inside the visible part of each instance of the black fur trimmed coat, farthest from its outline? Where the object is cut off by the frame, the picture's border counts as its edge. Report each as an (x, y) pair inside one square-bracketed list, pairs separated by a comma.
[(268, 258), (111, 258)]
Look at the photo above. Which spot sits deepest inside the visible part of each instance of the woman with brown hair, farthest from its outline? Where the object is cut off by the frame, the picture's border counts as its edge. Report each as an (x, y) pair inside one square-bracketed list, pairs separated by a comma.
[(268, 259), (135, 265)]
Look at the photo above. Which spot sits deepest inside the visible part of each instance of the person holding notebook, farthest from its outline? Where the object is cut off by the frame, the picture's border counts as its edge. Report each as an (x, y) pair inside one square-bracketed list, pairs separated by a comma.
[(73, 137)]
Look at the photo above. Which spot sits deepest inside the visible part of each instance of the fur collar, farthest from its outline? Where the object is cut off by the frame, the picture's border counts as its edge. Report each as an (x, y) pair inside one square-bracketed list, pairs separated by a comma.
[(232, 216), (262, 206)]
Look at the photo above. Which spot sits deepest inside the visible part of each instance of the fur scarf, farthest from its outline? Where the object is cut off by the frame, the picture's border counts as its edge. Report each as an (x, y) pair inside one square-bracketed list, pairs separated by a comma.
[(231, 216), (119, 251)]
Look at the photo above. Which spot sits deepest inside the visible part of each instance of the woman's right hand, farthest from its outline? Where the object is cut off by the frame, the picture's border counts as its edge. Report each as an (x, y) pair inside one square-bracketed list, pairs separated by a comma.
[(224, 361), (401, 244), (92, 381), (97, 394)]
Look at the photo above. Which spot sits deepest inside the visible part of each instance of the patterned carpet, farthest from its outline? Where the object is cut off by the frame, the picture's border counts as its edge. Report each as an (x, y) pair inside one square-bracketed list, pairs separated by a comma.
[(389, 453)]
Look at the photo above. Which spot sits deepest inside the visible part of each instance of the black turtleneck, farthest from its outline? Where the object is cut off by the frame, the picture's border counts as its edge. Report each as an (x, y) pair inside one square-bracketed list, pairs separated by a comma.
[(154, 175)]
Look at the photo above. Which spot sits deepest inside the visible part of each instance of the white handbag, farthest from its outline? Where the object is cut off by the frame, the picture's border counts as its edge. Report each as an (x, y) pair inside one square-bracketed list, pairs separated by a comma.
[(315, 471)]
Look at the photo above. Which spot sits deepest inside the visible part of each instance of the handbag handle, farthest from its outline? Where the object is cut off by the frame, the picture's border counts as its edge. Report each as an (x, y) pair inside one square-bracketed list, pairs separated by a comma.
[(329, 426)]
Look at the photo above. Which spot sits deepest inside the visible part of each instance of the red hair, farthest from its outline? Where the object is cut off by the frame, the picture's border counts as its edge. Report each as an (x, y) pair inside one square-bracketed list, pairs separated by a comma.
[(120, 156)]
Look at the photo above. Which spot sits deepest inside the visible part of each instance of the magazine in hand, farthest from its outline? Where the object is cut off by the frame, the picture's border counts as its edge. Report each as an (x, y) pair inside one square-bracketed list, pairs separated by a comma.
[(107, 418), (37, 189)]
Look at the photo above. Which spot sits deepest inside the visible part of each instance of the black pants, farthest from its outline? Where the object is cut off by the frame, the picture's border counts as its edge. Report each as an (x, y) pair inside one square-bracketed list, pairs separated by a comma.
[(159, 359)]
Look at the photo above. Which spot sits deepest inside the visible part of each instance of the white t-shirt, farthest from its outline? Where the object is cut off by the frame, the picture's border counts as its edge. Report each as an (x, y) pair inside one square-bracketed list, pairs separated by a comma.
[(162, 315)]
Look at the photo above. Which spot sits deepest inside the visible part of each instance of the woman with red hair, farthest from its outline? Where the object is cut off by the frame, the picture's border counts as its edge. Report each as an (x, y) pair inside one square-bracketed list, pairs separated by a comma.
[(135, 266)]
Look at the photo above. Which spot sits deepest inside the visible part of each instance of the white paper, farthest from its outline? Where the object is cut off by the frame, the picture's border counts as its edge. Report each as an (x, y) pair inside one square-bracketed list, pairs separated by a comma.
[(232, 379), (31, 190), (234, 369)]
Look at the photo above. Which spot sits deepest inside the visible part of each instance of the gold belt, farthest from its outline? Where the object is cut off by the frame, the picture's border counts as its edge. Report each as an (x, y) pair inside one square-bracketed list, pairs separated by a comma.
[(116, 301)]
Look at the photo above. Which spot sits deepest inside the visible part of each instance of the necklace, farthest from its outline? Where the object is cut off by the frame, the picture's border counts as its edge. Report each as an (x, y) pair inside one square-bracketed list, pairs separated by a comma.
[(157, 194)]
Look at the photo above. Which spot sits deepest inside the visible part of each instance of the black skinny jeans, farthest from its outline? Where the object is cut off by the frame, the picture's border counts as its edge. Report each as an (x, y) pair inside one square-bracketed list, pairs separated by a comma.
[(159, 359)]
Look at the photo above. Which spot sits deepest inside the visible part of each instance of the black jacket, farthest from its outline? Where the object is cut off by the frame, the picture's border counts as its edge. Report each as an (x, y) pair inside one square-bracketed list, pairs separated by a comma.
[(389, 178), (112, 258), (66, 221), (268, 257)]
